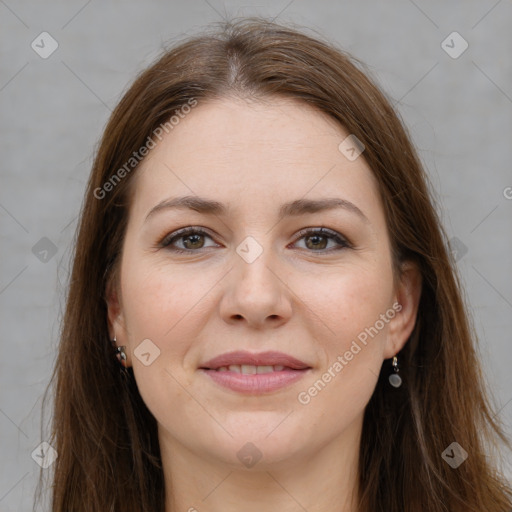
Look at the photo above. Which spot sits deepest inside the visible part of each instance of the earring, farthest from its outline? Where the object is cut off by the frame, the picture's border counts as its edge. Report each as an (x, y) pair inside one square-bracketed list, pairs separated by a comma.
[(394, 379), (120, 353), (121, 356)]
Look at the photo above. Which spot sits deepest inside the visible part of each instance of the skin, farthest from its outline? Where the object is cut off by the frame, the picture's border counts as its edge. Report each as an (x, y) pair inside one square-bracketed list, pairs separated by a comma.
[(307, 300)]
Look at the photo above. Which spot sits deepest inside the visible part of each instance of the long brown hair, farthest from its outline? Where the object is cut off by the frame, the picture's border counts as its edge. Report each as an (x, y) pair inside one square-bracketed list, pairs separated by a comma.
[(106, 439)]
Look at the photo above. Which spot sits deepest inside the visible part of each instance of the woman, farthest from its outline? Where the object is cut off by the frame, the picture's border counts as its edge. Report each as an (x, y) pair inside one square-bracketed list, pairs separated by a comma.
[(263, 313)]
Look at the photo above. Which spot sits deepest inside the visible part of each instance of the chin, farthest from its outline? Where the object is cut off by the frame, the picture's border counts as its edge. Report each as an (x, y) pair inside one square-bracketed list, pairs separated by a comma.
[(259, 447)]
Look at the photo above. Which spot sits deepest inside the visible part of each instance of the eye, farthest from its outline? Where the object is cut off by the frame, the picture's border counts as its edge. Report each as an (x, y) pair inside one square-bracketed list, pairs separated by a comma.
[(191, 239), (318, 239)]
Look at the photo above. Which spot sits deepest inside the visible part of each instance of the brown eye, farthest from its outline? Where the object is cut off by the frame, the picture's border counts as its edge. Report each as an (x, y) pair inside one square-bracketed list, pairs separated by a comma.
[(317, 240), (191, 239)]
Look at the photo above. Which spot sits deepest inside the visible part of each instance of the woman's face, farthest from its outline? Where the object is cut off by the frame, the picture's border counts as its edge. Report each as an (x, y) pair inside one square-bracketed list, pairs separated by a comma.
[(252, 280)]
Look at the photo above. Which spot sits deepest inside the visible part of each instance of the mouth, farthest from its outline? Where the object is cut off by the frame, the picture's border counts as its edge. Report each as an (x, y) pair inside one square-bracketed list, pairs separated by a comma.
[(250, 373), (250, 369)]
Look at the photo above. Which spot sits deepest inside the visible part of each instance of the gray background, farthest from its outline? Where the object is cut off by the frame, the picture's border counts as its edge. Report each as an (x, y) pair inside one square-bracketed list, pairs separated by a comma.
[(458, 111)]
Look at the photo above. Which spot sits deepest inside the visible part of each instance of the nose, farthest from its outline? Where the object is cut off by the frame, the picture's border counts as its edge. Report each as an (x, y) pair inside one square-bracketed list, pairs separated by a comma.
[(256, 293)]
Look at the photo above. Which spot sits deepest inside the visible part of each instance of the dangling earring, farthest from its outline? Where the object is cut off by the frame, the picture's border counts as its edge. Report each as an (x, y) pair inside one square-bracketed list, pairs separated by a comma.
[(120, 354), (394, 379)]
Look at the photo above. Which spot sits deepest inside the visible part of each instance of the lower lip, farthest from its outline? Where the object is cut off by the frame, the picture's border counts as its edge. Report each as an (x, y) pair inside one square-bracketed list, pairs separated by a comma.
[(255, 384)]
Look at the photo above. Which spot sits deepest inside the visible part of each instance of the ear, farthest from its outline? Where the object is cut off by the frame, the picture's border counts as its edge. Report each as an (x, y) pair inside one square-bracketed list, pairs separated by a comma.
[(116, 324), (408, 296)]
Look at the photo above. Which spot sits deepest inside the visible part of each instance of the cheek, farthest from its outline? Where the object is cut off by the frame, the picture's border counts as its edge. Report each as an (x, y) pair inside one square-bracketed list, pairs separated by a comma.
[(161, 304), (356, 311), (351, 301)]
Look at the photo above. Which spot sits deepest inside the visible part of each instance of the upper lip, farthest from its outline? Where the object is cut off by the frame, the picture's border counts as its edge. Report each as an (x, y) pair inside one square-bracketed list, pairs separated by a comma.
[(240, 357)]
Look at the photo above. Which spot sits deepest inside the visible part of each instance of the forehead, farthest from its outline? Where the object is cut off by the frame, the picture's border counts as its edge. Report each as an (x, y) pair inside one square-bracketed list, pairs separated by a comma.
[(254, 153), (285, 127)]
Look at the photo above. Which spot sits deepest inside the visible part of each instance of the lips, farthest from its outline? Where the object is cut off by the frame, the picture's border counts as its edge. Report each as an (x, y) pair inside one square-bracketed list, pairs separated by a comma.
[(243, 358), (254, 374)]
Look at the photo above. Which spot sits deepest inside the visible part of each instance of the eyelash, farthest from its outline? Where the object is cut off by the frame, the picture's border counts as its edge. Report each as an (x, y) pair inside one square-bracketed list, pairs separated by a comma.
[(324, 232)]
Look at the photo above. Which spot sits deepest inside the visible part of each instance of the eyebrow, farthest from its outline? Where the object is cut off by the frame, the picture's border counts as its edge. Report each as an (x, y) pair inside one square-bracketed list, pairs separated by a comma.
[(292, 208)]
